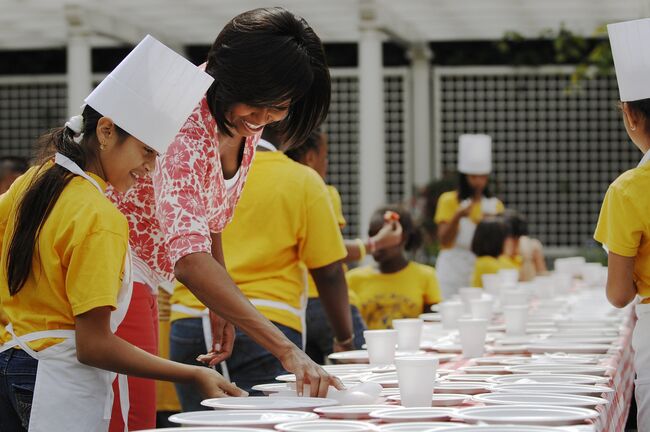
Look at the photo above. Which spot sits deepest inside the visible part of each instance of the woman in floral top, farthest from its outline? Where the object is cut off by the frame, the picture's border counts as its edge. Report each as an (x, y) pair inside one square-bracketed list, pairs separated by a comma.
[(269, 67)]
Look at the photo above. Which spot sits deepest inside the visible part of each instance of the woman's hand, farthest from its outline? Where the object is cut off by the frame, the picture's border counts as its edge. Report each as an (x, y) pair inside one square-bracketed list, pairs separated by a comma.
[(223, 340), (297, 362), (347, 345), (212, 384)]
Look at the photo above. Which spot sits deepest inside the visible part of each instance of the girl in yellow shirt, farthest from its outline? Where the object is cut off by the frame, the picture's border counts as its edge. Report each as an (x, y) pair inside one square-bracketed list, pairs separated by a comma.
[(396, 287), (488, 245), (65, 275), (320, 339), (623, 226), (458, 212)]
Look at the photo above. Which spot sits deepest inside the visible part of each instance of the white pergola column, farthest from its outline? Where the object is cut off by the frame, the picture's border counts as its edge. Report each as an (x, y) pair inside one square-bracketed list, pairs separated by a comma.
[(420, 56), (79, 71), (372, 167), (83, 24)]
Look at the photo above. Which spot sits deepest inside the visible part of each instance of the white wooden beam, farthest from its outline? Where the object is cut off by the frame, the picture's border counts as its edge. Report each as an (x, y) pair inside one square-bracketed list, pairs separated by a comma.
[(84, 21), (644, 8), (379, 16)]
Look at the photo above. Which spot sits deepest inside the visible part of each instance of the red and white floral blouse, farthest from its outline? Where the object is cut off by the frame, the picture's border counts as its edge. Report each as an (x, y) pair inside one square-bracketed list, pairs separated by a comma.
[(172, 214)]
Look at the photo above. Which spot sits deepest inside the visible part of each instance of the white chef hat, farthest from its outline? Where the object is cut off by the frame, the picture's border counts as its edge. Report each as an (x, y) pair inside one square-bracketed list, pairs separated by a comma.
[(475, 154), (151, 93), (629, 41)]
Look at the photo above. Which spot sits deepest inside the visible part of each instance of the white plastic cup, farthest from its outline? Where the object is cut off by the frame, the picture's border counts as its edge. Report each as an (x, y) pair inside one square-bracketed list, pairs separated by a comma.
[(491, 283), (509, 276), (409, 333), (545, 287), (515, 318), (563, 282), (450, 312), (594, 275), (416, 377), (469, 294), (481, 308), (472, 336), (381, 346), (571, 265), (514, 297), (528, 286)]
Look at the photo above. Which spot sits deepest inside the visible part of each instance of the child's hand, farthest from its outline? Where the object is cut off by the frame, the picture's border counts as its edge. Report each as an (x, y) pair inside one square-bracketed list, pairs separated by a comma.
[(211, 384), (465, 209)]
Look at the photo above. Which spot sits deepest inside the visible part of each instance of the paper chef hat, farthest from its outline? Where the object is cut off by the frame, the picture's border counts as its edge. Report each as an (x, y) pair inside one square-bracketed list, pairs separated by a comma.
[(151, 93), (629, 41), (475, 154)]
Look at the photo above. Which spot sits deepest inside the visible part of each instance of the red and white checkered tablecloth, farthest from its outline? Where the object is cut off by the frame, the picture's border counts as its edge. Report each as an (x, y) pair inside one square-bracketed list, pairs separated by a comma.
[(614, 415)]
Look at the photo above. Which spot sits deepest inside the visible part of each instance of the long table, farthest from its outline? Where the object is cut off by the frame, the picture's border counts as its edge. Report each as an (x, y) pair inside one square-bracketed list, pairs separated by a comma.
[(614, 415)]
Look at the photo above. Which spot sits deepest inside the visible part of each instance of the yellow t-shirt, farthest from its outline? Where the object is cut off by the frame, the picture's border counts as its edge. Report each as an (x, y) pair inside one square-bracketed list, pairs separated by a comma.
[(624, 223), (513, 261), (78, 262), (284, 217), (384, 297), (448, 205), (336, 205), (488, 265), (338, 211)]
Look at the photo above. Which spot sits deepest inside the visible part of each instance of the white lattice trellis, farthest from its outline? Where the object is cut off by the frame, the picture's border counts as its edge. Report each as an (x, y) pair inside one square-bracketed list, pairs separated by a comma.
[(30, 105), (342, 127), (554, 152)]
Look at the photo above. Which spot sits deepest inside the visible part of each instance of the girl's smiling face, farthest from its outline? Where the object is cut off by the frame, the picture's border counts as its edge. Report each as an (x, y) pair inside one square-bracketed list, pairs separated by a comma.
[(123, 160)]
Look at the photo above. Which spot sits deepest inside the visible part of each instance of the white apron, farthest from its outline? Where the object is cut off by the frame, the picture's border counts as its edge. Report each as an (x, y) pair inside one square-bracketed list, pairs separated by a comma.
[(455, 265), (68, 395), (641, 345)]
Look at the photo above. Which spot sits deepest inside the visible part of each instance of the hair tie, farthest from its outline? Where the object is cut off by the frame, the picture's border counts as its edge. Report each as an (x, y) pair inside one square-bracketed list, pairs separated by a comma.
[(75, 124)]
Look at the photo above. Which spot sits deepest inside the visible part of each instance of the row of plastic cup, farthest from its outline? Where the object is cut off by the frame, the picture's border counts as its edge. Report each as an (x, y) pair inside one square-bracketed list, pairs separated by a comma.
[(593, 274), (515, 314), (381, 343), (407, 335), (544, 287)]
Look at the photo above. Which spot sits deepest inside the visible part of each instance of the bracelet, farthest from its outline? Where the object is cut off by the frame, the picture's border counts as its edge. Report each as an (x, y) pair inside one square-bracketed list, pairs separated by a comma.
[(347, 341), (372, 245), (362, 249)]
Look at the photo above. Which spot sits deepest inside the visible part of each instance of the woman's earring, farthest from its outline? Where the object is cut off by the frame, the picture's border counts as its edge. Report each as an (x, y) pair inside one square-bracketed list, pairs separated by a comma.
[(102, 146)]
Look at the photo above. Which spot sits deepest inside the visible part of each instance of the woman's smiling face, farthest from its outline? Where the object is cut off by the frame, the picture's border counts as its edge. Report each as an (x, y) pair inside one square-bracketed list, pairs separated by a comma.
[(247, 120)]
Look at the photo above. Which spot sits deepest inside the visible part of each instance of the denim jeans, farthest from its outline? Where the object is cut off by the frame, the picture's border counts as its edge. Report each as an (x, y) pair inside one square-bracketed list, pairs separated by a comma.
[(319, 332), (250, 364), (17, 379)]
